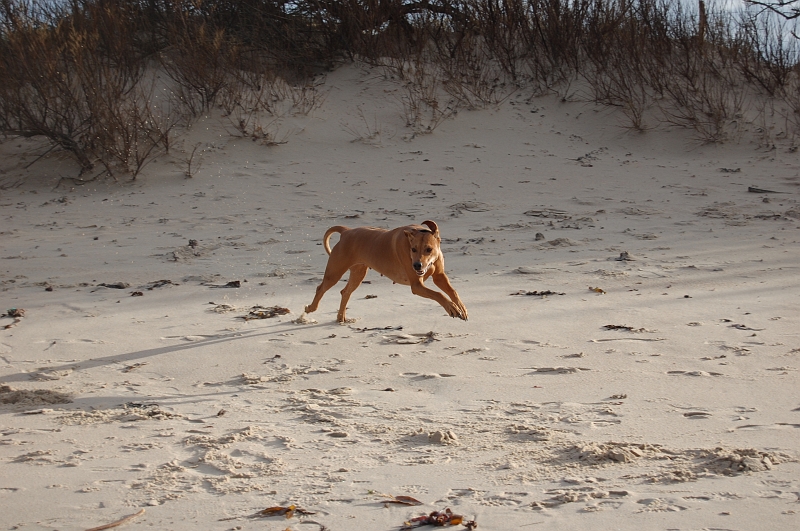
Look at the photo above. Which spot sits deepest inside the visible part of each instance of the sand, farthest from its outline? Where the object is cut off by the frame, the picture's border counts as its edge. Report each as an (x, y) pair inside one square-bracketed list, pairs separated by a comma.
[(630, 361)]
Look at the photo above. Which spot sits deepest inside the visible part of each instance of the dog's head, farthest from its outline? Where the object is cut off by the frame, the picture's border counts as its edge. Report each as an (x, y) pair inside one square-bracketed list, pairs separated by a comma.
[(424, 246)]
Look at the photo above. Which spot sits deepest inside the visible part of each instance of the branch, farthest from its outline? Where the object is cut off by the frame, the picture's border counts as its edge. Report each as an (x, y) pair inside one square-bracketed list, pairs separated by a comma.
[(118, 522), (777, 7)]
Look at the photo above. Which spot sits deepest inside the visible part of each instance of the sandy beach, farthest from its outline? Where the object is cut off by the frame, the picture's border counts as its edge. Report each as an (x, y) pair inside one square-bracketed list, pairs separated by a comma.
[(630, 359)]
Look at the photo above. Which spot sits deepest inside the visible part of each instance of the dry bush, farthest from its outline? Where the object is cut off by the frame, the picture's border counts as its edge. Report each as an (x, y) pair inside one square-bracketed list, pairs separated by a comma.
[(286, 36), (476, 83), (554, 37), (770, 54), (136, 128), (473, 77), (42, 95), (74, 77), (699, 67), (617, 48), (371, 133), (193, 164), (243, 98), (76, 74), (504, 28), (79, 73), (306, 96), (789, 109), (255, 101), (700, 80), (199, 59), (421, 80), (714, 107)]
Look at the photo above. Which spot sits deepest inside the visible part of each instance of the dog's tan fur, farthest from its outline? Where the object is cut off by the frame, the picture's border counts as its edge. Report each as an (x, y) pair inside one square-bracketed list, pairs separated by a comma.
[(407, 255)]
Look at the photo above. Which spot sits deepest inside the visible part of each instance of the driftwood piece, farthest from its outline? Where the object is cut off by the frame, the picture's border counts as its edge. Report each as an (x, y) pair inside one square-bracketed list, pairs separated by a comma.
[(118, 522)]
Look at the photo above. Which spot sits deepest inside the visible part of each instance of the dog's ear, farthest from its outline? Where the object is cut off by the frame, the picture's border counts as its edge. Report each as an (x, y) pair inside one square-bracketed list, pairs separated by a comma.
[(434, 228)]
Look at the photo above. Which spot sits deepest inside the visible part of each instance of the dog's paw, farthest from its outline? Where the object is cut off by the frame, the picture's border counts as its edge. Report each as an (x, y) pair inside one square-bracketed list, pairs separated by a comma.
[(455, 311)]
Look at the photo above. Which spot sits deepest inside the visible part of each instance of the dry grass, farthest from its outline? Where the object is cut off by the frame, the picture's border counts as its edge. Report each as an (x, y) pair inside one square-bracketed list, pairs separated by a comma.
[(80, 73)]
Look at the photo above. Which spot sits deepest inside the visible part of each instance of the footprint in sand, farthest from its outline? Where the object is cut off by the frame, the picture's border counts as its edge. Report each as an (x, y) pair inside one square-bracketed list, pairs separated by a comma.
[(556, 370), (659, 505), (602, 506), (38, 457), (46, 374), (578, 494), (427, 376), (694, 373)]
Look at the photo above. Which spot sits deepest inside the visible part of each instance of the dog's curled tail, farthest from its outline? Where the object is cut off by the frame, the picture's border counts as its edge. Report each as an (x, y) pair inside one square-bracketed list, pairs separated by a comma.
[(328, 234)]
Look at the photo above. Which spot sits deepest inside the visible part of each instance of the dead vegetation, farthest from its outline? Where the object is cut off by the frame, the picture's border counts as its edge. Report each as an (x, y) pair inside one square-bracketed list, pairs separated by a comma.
[(113, 83)]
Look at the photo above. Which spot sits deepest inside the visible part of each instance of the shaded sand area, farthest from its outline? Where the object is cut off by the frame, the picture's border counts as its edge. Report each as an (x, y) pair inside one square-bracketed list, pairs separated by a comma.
[(630, 360)]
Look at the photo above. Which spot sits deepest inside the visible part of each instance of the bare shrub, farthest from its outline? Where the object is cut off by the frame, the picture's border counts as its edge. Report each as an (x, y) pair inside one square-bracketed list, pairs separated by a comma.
[(135, 128), (243, 97), (420, 102), (791, 111), (255, 101), (788, 9), (474, 79), (74, 77), (305, 97), (713, 106), (700, 79), (553, 39), (616, 47), (369, 131), (199, 60), (771, 53), (193, 161), (78, 73)]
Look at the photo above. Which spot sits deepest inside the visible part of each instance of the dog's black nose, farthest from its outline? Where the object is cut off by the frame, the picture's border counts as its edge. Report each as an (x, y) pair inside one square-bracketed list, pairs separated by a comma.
[(417, 265)]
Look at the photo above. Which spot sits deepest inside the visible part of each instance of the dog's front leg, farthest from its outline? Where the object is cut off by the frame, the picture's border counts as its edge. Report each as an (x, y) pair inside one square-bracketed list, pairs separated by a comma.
[(441, 280), (453, 310)]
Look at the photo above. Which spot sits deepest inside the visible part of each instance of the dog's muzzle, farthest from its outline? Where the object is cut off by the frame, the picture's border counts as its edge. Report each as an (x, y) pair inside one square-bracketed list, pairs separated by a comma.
[(419, 269)]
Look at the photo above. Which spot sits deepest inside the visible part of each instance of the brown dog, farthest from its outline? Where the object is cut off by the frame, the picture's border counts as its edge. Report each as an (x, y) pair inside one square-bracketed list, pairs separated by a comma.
[(407, 255)]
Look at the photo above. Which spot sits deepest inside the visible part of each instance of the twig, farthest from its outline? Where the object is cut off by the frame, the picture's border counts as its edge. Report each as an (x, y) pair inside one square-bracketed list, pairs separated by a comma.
[(627, 339), (189, 173), (754, 190), (118, 522), (80, 182), (37, 159)]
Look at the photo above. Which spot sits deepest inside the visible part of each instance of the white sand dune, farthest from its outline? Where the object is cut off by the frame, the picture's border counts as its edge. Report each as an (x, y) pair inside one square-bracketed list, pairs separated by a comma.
[(532, 413)]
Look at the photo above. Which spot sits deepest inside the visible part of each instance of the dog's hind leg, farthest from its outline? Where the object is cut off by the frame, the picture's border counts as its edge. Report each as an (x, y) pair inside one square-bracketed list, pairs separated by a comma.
[(333, 272), (357, 274)]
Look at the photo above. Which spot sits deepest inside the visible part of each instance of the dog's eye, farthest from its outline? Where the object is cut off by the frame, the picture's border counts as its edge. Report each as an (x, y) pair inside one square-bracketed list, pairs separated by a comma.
[(413, 249), (428, 250)]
